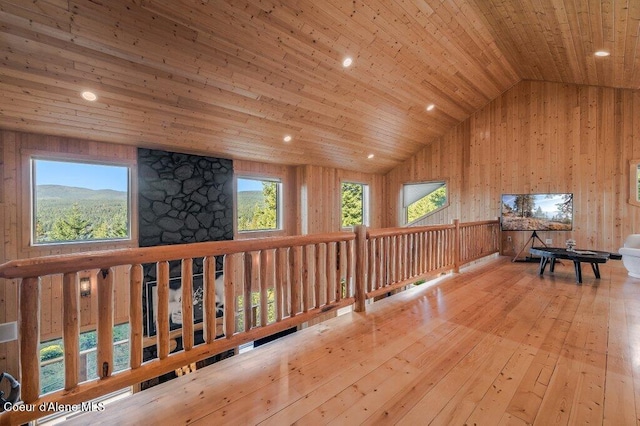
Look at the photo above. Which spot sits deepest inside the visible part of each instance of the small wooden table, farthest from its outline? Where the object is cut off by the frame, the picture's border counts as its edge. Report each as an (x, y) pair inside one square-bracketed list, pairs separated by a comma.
[(548, 255)]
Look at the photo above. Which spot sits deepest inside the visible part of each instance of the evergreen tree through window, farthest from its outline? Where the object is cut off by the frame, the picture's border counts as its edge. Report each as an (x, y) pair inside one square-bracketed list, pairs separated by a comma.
[(78, 201)]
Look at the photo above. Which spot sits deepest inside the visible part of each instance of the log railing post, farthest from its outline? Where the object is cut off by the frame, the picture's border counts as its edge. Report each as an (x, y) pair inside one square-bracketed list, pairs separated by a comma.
[(29, 338), (209, 281), (248, 281), (456, 246), (162, 315), (361, 267), (105, 323), (135, 315), (186, 273), (71, 331), (229, 295)]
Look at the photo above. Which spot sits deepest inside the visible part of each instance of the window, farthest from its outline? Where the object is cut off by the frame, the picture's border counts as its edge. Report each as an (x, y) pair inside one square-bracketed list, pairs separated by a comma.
[(423, 199), (355, 201), (259, 204), (77, 201), (634, 182)]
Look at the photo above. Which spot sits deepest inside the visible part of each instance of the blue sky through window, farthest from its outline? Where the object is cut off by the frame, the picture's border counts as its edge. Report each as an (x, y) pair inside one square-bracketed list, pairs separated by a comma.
[(249, 185), (81, 175)]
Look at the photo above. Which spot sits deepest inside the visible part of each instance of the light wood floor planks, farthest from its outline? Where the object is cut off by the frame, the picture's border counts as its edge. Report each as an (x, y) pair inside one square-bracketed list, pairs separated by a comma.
[(493, 345)]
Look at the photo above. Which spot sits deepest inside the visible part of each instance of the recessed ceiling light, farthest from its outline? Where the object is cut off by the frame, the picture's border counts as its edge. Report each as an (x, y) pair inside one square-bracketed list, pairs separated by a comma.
[(287, 138), (347, 62), (89, 96), (430, 107), (370, 156), (602, 53)]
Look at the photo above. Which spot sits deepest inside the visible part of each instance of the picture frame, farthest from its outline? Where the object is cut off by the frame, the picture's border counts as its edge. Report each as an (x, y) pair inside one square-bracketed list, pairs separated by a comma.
[(175, 303)]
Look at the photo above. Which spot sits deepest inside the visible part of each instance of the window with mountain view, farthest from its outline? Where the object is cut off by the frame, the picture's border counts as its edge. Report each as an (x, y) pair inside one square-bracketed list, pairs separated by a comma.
[(79, 202), (258, 202)]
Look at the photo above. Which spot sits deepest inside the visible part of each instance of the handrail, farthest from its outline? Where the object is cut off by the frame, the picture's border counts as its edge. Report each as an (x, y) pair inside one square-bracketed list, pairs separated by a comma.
[(307, 276), (64, 263), (387, 232)]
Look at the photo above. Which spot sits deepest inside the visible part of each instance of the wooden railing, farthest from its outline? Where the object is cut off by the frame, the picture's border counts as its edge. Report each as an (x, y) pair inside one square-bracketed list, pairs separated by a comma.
[(306, 276)]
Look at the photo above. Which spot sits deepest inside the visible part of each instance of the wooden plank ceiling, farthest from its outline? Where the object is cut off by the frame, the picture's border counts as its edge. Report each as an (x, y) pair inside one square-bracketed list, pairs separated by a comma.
[(232, 78)]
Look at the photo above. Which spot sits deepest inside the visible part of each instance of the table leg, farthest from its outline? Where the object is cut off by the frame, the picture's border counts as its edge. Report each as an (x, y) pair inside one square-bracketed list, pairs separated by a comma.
[(543, 264), (596, 269), (553, 264), (578, 269)]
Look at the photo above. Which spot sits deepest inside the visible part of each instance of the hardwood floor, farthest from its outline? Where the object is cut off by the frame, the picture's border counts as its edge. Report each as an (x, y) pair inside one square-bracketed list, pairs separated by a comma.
[(495, 344)]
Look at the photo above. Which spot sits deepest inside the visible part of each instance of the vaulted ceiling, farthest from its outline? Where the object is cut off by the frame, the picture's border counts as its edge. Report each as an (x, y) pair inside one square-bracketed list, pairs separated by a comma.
[(232, 78)]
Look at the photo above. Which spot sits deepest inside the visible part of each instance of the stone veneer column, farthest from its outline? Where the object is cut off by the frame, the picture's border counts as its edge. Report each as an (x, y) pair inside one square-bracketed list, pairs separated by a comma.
[(183, 198)]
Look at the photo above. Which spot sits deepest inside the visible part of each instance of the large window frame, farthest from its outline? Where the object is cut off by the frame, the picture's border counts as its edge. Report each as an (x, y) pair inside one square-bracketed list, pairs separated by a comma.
[(33, 158), (279, 221), (415, 192), (364, 200)]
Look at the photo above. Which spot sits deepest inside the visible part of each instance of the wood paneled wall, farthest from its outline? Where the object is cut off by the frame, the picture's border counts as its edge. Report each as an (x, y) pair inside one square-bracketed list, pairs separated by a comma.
[(15, 201), (538, 137), (320, 199)]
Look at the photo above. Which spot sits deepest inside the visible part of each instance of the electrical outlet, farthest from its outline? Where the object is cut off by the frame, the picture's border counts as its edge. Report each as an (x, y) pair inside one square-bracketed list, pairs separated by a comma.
[(509, 238), (548, 241)]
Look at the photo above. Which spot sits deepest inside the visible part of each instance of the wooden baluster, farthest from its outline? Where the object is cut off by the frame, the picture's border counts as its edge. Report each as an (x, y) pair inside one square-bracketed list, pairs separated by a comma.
[(448, 247), (453, 237), (380, 259), (399, 262), (431, 251), (306, 293), (162, 317), (280, 284), (470, 246), (411, 255), (105, 323), (442, 247), (187, 301), (295, 274), (349, 270), (393, 260), (209, 283), (439, 249), (135, 316), (341, 271), (371, 264), (247, 302), (263, 279), (319, 281), (425, 252), (330, 265), (30, 338), (360, 252), (71, 331), (384, 267), (230, 295), (420, 251), (406, 256)]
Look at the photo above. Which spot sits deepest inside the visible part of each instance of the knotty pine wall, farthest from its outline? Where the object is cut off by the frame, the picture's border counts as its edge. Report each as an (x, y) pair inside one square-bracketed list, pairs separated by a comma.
[(311, 204), (320, 199), (538, 137), (15, 151)]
